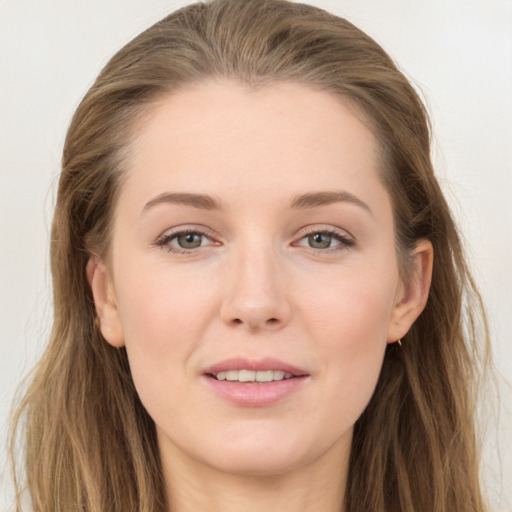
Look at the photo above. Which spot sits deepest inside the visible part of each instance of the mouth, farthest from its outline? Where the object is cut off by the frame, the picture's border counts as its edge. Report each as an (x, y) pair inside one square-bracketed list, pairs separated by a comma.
[(254, 371), (255, 383), (248, 376)]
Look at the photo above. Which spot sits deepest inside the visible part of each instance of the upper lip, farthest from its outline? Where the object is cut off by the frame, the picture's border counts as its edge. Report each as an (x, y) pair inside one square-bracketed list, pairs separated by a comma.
[(266, 364)]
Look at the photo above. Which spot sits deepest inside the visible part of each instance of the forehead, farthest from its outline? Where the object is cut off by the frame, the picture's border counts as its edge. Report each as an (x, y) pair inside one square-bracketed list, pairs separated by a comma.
[(223, 136)]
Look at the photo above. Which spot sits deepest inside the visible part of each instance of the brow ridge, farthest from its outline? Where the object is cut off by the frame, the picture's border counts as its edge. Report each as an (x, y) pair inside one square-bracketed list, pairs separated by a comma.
[(325, 198), (302, 201), (201, 201)]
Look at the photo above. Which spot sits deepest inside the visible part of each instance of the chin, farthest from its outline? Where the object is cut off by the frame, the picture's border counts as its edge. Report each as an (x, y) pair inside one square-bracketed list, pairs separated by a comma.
[(257, 464), (262, 456)]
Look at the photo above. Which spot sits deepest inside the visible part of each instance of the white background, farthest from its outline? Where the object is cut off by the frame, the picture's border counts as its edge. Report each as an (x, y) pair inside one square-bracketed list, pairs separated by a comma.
[(457, 52)]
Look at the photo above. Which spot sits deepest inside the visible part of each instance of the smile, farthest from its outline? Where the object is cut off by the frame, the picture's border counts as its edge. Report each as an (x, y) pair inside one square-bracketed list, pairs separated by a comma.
[(255, 383), (253, 376)]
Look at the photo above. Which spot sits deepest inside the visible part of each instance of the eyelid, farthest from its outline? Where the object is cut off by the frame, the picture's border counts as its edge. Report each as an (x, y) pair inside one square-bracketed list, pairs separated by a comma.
[(345, 239), (162, 241), (343, 236)]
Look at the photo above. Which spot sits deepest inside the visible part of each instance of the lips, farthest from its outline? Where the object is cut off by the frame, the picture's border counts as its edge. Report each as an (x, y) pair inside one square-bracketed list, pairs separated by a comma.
[(246, 370), (253, 376), (250, 383)]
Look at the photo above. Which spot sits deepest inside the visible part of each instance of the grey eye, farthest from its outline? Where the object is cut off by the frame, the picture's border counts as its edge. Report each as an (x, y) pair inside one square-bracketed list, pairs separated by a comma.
[(190, 240), (320, 240)]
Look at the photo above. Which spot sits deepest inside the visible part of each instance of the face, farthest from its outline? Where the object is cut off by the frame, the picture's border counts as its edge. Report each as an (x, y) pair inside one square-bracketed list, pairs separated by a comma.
[(253, 276)]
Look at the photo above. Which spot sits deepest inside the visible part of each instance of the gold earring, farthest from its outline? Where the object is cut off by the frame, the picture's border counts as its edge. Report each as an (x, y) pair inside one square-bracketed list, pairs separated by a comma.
[(399, 342)]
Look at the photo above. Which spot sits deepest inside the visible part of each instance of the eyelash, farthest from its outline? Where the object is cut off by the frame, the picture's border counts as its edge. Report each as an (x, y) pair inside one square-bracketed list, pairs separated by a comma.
[(345, 242), (164, 241)]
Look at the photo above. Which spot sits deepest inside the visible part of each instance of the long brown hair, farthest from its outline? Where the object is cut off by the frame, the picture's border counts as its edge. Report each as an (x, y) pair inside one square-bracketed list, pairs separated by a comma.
[(89, 443)]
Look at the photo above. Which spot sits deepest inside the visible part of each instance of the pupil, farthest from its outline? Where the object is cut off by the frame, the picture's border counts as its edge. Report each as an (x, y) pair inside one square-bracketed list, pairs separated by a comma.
[(320, 241), (189, 241)]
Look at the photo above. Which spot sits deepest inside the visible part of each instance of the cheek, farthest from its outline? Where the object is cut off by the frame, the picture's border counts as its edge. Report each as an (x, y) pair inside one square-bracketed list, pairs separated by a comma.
[(164, 315), (352, 308), (350, 325), (162, 308)]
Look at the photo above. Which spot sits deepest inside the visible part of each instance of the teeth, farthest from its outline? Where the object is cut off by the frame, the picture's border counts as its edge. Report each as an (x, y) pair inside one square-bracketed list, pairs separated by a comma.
[(246, 376), (252, 376)]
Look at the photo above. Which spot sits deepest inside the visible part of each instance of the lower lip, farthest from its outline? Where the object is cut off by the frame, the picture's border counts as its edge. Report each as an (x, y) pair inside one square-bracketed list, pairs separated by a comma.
[(255, 394)]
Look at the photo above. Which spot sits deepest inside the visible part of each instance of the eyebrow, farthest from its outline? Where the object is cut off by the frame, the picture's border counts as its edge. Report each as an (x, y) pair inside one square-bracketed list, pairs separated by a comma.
[(301, 202), (315, 199), (201, 201)]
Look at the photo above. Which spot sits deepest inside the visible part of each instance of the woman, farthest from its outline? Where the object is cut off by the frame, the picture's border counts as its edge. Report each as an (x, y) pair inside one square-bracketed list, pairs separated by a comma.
[(258, 285)]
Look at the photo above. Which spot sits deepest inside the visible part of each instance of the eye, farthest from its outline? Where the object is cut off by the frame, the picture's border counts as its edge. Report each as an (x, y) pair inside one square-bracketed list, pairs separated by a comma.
[(183, 241), (189, 240), (325, 240), (321, 240)]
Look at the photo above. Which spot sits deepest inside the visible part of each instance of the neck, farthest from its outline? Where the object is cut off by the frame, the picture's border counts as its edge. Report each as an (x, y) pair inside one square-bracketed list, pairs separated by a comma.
[(320, 485)]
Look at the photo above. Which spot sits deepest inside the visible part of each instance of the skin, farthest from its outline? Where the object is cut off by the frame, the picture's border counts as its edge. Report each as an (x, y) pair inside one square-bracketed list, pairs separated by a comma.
[(255, 288)]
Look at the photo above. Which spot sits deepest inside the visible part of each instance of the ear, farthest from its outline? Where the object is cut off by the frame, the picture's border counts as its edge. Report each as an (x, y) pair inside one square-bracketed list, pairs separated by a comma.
[(412, 296), (105, 301)]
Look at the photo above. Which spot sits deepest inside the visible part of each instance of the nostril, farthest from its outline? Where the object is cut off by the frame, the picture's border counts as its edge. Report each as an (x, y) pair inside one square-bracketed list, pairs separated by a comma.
[(255, 322)]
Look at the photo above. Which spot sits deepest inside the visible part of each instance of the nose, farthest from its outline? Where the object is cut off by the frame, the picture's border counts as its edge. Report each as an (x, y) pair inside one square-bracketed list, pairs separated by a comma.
[(255, 295)]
